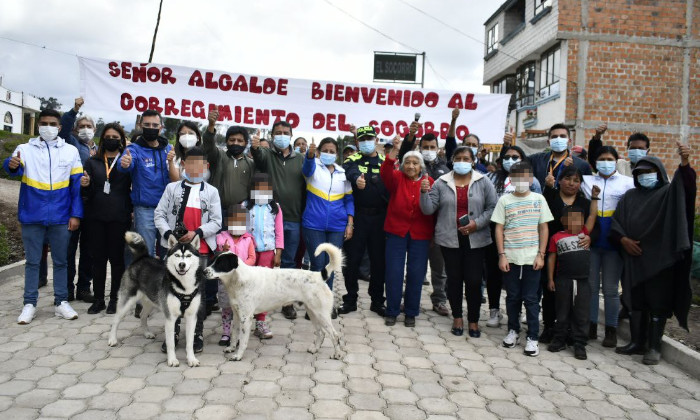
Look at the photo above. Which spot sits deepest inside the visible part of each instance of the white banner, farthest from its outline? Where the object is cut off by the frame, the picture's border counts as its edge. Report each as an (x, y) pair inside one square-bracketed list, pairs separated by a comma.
[(308, 105)]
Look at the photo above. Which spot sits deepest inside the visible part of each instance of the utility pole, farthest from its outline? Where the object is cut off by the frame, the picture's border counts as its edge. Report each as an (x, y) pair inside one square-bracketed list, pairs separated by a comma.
[(155, 33)]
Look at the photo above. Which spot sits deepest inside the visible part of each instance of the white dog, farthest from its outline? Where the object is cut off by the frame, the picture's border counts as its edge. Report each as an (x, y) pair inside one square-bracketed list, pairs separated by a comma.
[(253, 290)]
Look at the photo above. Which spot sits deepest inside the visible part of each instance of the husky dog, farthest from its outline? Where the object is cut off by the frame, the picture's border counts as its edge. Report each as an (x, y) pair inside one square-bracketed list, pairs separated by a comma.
[(173, 286), (253, 290)]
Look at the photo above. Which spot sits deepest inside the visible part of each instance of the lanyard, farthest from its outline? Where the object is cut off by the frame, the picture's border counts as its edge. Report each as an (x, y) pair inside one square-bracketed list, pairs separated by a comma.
[(109, 169), (556, 165)]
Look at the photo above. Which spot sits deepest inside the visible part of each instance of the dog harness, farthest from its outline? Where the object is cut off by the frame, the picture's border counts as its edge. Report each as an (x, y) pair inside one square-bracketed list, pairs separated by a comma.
[(185, 300)]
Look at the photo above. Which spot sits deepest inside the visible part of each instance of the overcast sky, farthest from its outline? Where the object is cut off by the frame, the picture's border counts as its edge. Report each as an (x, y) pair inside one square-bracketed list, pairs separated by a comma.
[(306, 39)]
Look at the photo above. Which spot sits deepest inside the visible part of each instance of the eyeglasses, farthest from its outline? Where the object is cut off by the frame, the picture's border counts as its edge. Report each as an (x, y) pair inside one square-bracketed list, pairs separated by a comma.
[(560, 136)]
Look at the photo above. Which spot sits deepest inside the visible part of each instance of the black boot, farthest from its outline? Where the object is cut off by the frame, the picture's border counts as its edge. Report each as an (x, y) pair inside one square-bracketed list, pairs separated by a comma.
[(610, 339), (593, 331), (656, 331), (637, 343)]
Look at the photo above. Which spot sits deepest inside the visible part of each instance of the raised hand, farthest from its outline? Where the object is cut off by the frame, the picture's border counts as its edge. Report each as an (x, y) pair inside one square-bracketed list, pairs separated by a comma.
[(171, 155), (601, 129), (78, 103), (255, 141), (684, 152), (15, 161), (414, 127), (353, 130), (455, 114), (85, 179), (311, 153), (508, 139), (213, 116), (126, 159), (425, 184), (361, 183)]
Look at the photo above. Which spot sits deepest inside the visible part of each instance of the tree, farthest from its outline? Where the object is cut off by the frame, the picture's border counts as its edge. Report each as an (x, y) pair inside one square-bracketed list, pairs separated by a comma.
[(99, 126), (170, 126), (51, 103)]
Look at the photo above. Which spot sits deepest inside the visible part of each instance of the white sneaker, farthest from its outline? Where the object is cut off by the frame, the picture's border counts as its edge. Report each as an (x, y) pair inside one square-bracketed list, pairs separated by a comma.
[(494, 318), (532, 347), (64, 310), (511, 339), (27, 314)]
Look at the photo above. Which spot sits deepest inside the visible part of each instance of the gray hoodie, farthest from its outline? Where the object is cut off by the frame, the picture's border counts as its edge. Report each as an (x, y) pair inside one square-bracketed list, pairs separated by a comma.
[(442, 198)]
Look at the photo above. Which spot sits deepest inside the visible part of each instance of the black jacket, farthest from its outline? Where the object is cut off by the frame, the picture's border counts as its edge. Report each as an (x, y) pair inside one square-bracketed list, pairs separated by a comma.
[(112, 207)]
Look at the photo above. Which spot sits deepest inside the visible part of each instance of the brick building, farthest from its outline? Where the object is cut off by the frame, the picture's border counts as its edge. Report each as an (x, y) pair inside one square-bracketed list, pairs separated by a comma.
[(633, 64)]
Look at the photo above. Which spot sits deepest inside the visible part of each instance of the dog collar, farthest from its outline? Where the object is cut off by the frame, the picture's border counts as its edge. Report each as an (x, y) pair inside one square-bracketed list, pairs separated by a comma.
[(185, 300)]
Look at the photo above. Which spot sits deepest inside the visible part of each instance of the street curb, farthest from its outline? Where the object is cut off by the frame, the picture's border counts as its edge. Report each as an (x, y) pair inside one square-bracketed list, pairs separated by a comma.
[(672, 351), (11, 270)]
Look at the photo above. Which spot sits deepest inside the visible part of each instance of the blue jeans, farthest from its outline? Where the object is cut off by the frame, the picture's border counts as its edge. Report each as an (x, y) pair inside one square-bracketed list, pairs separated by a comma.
[(292, 233), (145, 226), (611, 264), (396, 249), (522, 283), (313, 239), (33, 237)]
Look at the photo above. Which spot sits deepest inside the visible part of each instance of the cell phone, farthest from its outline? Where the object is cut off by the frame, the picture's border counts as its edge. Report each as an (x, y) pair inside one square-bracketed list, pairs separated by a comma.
[(464, 220), (417, 117)]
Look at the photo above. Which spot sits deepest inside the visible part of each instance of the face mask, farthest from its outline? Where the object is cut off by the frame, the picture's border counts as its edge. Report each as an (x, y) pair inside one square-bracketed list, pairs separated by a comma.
[(636, 154), (48, 133), (193, 179), (507, 163), (462, 168), (261, 196), (111, 144), (281, 141), (150, 134), (236, 230), (327, 158), (188, 141), (559, 144), (474, 150), (521, 186), (86, 134), (367, 147), (235, 149), (429, 155), (297, 149), (605, 167), (648, 180)]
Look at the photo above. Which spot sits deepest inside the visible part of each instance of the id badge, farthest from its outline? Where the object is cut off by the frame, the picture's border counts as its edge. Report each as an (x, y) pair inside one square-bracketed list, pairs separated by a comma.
[(107, 187)]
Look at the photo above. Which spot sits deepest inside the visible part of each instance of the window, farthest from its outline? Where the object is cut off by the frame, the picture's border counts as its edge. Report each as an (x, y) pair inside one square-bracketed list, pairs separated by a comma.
[(8, 118), (492, 39), (549, 73), (540, 5), (525, 85)]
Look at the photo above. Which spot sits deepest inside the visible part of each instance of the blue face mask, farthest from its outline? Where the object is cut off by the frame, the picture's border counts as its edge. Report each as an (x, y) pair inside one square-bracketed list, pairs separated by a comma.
[(559, 144), (193, 179), (367, 147), (462, 168), (327, 158), (282, 141), (636, 154), (474, 150), (648, 180), (297, 149), (605, 167), (507, 163)]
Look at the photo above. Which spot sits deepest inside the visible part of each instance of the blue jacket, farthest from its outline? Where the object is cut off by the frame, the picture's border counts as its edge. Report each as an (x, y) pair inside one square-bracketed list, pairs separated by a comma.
[(50, 191), (149, 171), (540, 162), (329, 199), (67, 123)]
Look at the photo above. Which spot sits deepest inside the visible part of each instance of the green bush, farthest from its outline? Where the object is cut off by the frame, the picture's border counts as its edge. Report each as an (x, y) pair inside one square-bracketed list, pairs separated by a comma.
[(4, 246)]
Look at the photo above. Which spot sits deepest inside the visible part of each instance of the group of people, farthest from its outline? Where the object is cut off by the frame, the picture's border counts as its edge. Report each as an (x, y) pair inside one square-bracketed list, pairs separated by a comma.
[(543, 227)]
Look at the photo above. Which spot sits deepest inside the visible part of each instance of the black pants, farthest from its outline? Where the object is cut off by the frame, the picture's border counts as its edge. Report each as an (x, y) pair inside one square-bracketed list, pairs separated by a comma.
[(655, 295), (368, 235), (464, 268), (106, 241), (572, 312), (79, 237), (494, 277), (549, 309)]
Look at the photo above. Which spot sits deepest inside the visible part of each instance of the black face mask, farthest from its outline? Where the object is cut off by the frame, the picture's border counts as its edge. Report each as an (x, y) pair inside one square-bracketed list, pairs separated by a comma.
[(234, 149), (150, 134), (111, 144)]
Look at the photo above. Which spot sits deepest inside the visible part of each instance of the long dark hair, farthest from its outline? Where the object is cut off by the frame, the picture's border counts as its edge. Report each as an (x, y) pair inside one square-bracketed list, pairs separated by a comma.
[(502, 174), (259, 178), (572, 171), (122, 143), (179, 150)]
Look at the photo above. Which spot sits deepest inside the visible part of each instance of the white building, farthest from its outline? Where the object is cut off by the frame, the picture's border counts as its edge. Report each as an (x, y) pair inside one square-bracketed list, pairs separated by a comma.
[(17, 110)]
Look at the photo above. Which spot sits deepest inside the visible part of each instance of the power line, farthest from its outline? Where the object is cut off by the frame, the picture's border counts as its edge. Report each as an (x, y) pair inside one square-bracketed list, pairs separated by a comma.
[(348, 14), (43, 47)]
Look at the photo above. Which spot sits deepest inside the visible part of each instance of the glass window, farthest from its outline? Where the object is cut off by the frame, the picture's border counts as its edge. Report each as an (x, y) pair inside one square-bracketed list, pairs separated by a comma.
[(540, 5), (525, 85), (549, 72), (492, 39)]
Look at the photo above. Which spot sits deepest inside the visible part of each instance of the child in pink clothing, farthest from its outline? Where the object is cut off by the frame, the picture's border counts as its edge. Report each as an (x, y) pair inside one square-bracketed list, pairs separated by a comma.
[(235, 239)]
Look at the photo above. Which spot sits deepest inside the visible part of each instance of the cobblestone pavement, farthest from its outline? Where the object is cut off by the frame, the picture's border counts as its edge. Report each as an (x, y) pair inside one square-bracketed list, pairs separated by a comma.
[(55, 368)]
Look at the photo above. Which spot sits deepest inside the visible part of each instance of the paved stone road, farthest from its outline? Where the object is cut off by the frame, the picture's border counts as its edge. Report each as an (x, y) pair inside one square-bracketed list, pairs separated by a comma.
[(56, 369)]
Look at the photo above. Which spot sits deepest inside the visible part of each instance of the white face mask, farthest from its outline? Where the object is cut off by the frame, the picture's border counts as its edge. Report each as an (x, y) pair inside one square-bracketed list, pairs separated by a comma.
[(188, 141), (236, 230), (48, 133), (521, 186), (86, 134), (261, 196), (429, 155)]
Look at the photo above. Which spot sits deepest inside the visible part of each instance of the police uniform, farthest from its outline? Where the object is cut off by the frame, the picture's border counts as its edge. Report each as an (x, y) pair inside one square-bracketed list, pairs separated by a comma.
[(370, 212)]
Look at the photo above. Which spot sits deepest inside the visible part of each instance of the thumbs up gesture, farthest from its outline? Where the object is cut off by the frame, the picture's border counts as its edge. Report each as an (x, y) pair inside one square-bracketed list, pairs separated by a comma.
[(311, 153), (85, 179), (684, 151), (255, 141), (425, 184), (171, 155), (508, 139), (15, 161), (126, 159), (361, 183)]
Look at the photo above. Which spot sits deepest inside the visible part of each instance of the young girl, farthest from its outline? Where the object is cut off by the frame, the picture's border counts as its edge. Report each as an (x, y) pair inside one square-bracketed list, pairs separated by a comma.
[(265, 224), (235, 239)]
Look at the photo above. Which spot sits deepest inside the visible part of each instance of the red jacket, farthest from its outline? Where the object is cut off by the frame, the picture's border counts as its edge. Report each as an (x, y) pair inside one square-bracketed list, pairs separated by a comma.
[(404, 214)]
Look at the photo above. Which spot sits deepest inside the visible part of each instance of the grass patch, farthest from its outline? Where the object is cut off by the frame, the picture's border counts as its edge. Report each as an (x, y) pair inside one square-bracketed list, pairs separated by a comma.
[(8, 144), (4, 246)]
